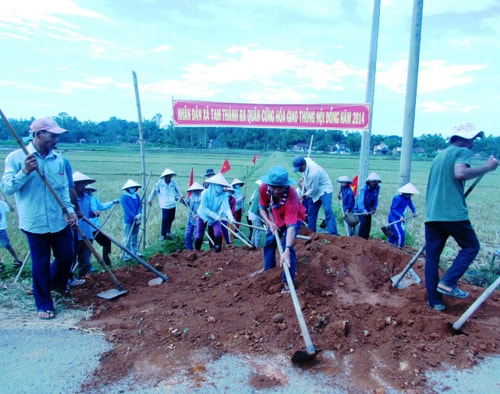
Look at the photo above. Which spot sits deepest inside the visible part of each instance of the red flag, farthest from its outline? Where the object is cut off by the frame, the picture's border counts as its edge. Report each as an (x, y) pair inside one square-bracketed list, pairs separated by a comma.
[(254, 159), (191, 180), (354, 185), (225, 167)]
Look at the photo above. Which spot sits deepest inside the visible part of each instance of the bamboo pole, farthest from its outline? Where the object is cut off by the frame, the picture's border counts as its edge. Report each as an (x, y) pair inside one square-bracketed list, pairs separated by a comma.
[(143, 159)]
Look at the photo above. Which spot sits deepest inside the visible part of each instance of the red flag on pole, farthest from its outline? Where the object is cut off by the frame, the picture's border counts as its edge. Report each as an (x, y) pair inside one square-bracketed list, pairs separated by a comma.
[(225, 167), (254, 159), (191, 179), (354, 185)]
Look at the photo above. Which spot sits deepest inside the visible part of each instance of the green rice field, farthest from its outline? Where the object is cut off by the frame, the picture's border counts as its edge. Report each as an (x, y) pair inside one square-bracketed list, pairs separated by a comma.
[(112, 167)]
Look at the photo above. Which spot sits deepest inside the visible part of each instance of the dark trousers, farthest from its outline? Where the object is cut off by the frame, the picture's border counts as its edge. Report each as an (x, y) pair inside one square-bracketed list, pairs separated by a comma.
[(270, 247), (106, 246), (365, 225), (48, 276), (167, 218), (436, 235)]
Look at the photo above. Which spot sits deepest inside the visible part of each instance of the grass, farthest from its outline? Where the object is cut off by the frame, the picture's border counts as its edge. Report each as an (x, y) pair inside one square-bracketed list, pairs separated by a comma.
[(113, 166)]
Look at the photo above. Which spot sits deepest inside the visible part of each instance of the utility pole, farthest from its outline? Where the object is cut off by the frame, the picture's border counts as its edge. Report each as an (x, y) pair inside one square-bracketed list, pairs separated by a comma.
[(370, 92), (411, 93)]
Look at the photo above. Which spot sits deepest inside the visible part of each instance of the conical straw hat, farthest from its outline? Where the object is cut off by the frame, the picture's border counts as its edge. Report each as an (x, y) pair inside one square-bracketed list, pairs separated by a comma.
[(344, 179), (79, 177), (167, 171), (408, 189), (130, 183), (218, 179), (195, 186), (373, 177)]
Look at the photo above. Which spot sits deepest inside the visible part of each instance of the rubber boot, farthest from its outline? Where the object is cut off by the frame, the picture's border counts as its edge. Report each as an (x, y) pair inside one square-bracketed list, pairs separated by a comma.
[(197, 243), (218, 244)]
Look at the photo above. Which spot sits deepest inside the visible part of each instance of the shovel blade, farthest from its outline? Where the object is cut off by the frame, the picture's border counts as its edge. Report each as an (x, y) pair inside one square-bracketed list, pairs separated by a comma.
[(111, 293), (155, 281), (302, 356), (403, 282)]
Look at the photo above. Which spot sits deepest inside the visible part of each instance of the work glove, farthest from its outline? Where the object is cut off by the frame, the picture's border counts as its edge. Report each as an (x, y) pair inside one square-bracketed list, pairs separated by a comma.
[(138, 218)]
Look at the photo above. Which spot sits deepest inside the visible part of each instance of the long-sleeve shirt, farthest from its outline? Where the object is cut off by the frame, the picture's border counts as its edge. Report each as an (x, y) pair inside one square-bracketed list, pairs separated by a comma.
[(193, 203), (131, 204), (398, 207), (84, 204), (97, 205), (347, 196), (238, 196), (168, 193), (4, 207), (37, 209), (316, 181), (367, 200), (214, 204)]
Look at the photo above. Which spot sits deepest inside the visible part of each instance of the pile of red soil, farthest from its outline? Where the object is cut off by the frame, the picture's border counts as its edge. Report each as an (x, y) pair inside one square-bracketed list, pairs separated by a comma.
[(212, 301)]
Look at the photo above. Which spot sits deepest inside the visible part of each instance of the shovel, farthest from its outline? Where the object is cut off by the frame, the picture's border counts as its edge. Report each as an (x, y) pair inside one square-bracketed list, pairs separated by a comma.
[(457, 326), (161, 277), (247, 243), (387, 230), (401, 281), (310, 353), (109, 294)]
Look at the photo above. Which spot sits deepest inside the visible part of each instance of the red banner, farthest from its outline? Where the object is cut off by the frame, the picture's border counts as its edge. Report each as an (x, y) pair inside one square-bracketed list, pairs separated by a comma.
[(299, 116)]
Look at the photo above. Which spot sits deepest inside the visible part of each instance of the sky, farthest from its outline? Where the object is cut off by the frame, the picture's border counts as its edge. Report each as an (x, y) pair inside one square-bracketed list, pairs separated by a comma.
[(77, 57)]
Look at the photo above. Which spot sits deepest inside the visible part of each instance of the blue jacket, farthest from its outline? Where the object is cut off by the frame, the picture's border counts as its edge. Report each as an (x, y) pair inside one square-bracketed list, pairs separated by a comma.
[(367, 200), (347, 196), (398, 207)]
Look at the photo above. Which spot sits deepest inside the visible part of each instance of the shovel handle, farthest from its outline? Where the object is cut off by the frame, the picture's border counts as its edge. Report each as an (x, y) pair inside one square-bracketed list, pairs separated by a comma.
[(237, 235), (310, 349), (468, 313), (125, 249)]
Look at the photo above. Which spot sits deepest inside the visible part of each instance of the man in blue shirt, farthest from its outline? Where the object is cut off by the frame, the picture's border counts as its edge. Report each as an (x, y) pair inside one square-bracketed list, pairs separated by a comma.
[(45, 225)]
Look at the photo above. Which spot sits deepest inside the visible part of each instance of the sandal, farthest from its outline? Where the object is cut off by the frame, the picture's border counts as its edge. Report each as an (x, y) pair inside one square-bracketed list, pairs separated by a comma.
[(452, 291), (18, 264), (46, 315), (286, 289)]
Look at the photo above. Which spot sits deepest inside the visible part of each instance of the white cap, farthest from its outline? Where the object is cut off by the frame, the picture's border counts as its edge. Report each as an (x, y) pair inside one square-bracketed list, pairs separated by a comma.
[(408, 189), (466, 130), (130, 183)]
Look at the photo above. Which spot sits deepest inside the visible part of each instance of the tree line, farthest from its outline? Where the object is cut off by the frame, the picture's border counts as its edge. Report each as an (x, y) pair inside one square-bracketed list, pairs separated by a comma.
[(119, 131)]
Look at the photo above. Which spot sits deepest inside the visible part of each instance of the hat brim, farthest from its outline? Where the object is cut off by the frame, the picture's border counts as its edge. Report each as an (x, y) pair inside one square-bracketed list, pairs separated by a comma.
[(265, 179)]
